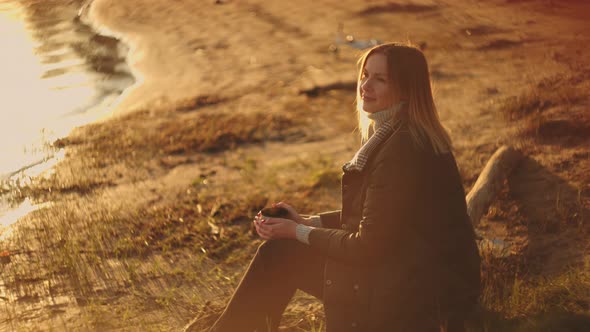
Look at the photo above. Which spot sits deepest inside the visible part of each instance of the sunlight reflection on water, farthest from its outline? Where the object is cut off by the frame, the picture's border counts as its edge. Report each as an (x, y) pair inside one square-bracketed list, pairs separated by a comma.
[(27, 101), (11, 215), (57, 73)]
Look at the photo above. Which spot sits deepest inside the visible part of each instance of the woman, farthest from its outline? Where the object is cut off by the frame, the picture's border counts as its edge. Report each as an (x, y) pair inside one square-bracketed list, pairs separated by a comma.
[(401, 254)]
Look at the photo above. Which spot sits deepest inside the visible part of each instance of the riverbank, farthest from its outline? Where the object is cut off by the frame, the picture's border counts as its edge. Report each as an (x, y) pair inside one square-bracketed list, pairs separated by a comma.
[(244, 103)]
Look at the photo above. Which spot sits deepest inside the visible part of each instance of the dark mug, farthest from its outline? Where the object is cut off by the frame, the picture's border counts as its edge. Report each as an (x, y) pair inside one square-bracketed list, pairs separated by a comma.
[(275, 212)]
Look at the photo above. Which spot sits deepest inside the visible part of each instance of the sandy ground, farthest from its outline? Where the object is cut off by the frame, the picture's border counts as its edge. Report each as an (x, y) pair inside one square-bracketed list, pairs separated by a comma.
[(254, 57)]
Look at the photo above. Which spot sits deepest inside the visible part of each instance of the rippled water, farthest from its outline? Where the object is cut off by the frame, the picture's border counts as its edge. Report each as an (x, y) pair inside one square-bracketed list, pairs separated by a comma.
[(56, 73)]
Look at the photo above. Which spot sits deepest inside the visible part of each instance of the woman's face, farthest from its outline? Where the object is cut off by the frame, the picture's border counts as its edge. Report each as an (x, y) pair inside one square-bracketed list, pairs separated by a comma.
[(375, 86)]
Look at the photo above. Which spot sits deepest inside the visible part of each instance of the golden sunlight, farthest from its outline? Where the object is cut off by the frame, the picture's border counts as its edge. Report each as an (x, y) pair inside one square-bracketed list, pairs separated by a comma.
[(34, 109)]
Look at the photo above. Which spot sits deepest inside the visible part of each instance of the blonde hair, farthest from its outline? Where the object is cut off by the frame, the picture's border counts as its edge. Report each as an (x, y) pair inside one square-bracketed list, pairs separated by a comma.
[(408, 70)]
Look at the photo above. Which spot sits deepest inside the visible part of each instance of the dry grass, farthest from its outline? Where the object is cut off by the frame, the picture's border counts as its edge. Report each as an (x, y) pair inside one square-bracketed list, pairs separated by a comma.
[(513, 300), (174, 258), (554, 110), (547, 93), (91, 251), (102, 154)]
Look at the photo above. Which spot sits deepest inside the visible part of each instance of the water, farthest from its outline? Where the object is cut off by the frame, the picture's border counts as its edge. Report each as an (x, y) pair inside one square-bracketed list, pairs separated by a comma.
[(57, 73)]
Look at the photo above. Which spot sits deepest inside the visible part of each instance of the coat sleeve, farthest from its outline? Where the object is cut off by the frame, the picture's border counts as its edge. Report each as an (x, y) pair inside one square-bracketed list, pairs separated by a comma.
[(330, 219), (391, 198)]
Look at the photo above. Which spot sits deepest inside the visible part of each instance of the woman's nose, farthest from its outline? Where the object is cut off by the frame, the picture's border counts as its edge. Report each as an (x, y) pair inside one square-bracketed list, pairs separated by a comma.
[(365, 85)]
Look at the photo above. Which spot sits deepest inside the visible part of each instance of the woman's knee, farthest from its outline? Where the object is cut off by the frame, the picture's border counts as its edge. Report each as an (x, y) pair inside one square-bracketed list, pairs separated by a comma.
[(283, 249), (274, 246)]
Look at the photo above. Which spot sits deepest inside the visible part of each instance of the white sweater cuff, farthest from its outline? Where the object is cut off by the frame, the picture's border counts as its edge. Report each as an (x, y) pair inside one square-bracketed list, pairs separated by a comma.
[(302, 233), (315, 221)]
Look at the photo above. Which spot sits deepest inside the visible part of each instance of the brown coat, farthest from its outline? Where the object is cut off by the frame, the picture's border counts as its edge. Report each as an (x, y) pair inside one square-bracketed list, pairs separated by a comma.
[(401, 253)]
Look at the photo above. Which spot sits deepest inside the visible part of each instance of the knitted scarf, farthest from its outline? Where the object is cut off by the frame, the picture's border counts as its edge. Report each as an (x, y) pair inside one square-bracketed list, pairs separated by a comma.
[(384, 130)]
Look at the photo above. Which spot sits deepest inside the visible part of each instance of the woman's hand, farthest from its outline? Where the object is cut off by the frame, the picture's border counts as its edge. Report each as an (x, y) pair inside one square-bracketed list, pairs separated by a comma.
[(293, 215), (275, 228)]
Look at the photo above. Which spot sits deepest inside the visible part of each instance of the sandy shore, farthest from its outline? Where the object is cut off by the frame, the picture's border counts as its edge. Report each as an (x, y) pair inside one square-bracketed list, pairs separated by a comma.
[(151, 209)]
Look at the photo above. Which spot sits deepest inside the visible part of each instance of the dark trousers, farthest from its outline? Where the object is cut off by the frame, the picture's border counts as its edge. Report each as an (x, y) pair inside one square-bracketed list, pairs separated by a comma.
[(278, 269)]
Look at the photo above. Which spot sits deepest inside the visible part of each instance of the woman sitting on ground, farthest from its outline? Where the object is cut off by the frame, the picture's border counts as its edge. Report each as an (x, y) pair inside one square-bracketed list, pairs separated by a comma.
[(401, 254)]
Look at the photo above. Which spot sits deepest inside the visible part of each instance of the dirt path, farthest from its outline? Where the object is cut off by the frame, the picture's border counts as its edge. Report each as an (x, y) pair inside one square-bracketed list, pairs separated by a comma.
[(147, 195)]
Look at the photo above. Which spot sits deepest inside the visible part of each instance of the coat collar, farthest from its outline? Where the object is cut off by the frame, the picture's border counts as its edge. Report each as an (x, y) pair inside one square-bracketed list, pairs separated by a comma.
[(362, 156)]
